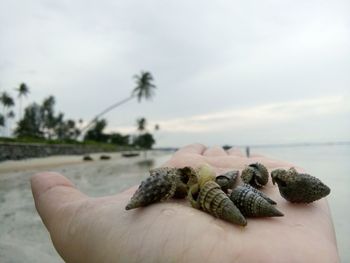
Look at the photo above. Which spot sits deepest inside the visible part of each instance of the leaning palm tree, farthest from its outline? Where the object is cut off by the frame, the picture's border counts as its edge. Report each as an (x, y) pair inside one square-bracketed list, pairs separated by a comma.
[(144, 89), (23, 91)]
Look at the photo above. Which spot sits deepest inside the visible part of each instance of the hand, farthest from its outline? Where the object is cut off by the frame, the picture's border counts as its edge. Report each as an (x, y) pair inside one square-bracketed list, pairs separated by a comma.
[(85, 229)]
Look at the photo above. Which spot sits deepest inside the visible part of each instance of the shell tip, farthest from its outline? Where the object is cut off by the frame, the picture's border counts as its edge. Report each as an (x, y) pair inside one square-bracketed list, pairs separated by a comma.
[(275, 212), (232, 214), (131, 205)]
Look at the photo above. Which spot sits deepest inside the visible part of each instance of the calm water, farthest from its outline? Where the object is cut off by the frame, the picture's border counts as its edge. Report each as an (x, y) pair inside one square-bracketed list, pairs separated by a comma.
[(330, 163)]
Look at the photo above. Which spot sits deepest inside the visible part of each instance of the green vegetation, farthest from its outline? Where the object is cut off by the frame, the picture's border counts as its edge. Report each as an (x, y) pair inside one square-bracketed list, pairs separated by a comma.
[(41, 124)]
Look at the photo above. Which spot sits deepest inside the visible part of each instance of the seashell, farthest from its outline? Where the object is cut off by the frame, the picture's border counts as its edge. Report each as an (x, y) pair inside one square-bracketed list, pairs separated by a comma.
[(268, 199), (185, 177), (251, 203), (156, 188), (298, 187), (209, 197), (227, 180), (188, 175), (255, 174), (204, 174)]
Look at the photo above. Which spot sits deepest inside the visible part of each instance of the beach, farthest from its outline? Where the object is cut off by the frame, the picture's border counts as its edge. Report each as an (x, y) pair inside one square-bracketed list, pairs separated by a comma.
[(23, 237)]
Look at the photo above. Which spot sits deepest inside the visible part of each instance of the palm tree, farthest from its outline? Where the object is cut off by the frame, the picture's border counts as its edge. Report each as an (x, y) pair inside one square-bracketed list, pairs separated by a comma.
[(144, 89), (23, 91), (7, 102), (141, 124), (10, 115), (2, 120)]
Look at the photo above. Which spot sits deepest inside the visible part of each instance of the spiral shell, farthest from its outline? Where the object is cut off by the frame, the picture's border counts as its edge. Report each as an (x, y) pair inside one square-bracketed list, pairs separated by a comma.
[(227, 180), (251, 203), (268, 199), (298, 187), (211, 199), (255, 174), (156, 188)]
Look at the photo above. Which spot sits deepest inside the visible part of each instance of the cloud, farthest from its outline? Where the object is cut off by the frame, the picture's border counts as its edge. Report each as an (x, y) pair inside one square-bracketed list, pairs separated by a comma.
[(218, 66), (273, 113)]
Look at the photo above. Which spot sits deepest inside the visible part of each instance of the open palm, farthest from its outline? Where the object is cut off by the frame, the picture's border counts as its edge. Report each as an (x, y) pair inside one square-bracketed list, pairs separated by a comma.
[(87, 229)]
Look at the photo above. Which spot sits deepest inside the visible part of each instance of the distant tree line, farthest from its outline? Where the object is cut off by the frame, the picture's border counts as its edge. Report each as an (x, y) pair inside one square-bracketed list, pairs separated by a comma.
[(40, 121)]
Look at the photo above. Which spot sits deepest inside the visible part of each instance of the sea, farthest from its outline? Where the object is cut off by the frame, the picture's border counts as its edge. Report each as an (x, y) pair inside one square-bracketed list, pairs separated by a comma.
[(331, 164)]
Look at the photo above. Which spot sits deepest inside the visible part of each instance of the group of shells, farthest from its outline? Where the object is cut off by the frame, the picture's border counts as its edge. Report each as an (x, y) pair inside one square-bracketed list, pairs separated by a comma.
[(217, 195)]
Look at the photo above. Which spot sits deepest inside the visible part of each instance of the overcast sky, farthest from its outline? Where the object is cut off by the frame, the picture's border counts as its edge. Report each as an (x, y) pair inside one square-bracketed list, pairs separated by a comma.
[(227, 72)]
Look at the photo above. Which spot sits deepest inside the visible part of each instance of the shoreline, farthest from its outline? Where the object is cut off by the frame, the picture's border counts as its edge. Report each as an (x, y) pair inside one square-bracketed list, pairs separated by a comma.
[(43, 163)]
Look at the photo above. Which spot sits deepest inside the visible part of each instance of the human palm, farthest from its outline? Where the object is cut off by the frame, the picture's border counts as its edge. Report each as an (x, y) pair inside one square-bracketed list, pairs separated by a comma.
[(85, 229)]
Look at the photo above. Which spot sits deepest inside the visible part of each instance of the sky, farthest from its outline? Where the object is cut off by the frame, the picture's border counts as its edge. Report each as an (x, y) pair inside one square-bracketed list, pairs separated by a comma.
[(227, 72)]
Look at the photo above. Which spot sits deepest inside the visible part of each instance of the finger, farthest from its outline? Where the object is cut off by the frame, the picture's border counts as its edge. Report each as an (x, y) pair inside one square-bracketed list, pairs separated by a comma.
[(195, 148), (235, 152), (51, 191), (215, 151)]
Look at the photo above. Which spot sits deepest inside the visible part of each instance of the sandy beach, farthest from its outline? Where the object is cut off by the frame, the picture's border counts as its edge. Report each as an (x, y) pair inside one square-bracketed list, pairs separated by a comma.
[(23, 237)]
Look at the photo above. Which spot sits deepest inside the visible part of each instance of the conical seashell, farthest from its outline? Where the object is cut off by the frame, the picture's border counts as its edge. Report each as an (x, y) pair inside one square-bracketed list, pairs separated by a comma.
[(268, 199), (204, 174), (251, 203), (158, 187), (227, 180), (297, 187), (255, 174), (185, 177), (211, 199)]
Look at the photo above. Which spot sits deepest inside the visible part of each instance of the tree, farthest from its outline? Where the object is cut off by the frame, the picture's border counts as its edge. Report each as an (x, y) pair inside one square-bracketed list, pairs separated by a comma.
[(96, 132), (66, 130), (7, 102), (144, 89), (141, 124), (119, 139), (2, 120), (23, 91), (48, 115), (31, 124), (145, 141), (11, 114)]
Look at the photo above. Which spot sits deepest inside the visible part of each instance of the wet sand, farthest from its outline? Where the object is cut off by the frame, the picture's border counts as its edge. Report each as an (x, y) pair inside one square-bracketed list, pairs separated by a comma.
[(23, 237)]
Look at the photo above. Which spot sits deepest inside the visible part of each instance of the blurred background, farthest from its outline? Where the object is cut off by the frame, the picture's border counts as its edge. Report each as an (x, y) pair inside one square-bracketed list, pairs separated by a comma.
[(133, 76)]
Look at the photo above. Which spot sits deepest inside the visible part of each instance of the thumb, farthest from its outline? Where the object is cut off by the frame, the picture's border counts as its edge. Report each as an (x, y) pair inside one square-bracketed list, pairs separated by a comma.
[(51, 191)]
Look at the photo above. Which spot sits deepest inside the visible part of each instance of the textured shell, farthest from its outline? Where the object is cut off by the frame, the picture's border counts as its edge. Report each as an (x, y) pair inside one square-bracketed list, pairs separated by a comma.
[(215, 202), (227, 180), (268, 199), (255, 174), (185, 177), (188, 176), (297, 187), (251, 203), (158, 187), (205, 173)]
